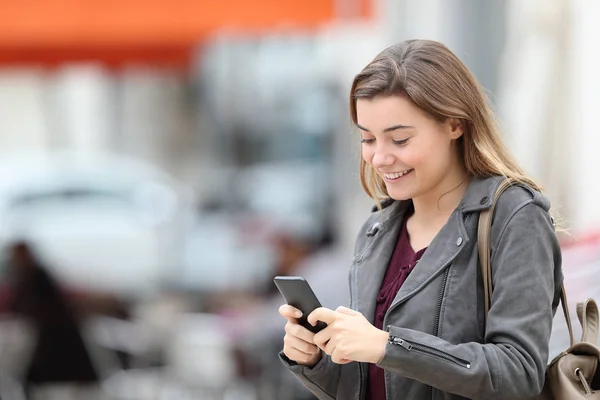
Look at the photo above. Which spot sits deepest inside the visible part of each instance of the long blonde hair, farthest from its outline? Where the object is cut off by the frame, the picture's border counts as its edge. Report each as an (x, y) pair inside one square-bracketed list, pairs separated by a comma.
[(434, 79)]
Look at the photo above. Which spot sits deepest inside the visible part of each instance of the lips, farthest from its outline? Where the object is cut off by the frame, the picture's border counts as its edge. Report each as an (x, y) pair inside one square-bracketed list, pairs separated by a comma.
[(391, 176)]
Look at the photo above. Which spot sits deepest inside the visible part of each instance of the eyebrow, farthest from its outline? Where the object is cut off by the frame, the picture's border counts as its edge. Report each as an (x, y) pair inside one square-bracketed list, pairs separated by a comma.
[(386, 130)]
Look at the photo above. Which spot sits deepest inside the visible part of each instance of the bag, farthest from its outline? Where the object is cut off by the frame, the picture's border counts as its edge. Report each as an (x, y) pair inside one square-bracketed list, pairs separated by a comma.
[(574, 373)]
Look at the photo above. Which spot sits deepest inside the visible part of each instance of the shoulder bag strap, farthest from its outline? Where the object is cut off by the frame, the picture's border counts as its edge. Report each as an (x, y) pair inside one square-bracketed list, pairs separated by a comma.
[(483, 244), (587, 313)]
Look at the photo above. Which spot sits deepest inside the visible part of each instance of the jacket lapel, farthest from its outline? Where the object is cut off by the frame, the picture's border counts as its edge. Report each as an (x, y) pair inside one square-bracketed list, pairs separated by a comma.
[(373, 259), (444, 248)]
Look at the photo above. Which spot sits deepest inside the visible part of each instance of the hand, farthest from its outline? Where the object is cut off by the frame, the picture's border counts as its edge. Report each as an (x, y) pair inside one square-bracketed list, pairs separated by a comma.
[(348, 336), (298, 342)]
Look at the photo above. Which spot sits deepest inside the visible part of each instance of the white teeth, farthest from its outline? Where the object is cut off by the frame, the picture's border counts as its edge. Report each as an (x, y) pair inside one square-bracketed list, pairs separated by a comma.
[(397, 175)]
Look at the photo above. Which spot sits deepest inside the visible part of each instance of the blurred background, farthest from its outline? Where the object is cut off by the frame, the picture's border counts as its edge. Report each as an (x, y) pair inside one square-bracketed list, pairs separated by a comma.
[(161, 162)]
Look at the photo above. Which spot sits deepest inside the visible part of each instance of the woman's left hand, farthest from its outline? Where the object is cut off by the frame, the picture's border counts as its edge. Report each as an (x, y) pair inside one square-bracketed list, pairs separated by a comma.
[(348, 336)]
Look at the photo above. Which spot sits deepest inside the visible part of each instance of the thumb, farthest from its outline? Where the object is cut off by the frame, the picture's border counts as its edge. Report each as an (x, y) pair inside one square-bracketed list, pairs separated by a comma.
[(345, 310)]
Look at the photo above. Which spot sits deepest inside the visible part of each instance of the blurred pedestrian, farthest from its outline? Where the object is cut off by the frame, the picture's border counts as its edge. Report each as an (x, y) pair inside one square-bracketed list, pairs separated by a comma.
[(60, 354)]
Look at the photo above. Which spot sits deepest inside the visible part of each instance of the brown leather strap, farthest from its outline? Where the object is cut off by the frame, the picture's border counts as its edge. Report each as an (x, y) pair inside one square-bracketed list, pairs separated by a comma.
[(484, 245), (587, 313), (566, 313), (483, 240)]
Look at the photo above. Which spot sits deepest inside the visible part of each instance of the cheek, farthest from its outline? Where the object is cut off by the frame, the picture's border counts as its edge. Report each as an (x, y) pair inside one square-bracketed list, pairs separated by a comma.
[(429, 155), (416, 157)]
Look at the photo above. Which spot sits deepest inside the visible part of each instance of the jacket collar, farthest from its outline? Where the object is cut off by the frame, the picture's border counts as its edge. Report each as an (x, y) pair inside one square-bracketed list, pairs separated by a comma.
[(478, 196), (374, 256)]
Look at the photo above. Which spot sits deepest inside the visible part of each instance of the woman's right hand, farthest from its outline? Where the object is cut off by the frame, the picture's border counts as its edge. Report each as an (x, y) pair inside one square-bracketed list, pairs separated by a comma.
[(298, 344)]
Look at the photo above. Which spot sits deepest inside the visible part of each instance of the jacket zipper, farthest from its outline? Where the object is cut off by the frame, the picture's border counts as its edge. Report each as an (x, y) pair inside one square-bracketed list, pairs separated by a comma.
[(436, 325), (412, 346)]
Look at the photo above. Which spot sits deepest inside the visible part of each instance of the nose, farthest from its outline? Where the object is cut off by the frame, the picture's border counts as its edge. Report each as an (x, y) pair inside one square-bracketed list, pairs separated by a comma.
[(382, 157)]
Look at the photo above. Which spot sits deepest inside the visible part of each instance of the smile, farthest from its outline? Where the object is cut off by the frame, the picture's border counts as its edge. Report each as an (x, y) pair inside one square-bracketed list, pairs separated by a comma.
[(392, 176)]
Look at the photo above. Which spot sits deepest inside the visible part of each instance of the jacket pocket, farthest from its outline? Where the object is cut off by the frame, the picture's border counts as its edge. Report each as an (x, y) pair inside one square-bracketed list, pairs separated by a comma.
[(430, 351)]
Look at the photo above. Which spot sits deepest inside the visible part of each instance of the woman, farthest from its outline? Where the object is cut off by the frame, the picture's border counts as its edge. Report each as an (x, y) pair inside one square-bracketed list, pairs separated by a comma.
[(416, 328)]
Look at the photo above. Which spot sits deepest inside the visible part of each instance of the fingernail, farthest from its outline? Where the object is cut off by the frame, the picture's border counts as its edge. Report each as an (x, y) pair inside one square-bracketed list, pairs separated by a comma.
[(298, 314)]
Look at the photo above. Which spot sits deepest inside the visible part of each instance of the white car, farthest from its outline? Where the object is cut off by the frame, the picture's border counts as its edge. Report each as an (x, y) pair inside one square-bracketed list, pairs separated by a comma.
[(100, 222)]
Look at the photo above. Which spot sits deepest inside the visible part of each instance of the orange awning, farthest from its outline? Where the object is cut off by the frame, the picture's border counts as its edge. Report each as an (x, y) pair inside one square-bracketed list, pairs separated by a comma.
[(54, 30)]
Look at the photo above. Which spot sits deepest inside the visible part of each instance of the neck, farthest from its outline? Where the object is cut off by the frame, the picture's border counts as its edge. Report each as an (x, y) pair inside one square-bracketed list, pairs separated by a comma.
[(438, 204)]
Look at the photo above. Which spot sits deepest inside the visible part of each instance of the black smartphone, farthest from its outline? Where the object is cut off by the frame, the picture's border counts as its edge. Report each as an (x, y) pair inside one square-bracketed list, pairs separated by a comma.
[(297, 293)]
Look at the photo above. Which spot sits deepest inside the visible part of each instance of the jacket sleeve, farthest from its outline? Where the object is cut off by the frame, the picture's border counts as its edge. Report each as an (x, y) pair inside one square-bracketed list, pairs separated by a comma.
[(512, 362), (322, 379)]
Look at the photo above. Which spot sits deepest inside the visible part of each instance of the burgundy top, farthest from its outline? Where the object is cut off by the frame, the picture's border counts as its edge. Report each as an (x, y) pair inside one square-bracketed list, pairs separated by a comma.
[(401, 264)]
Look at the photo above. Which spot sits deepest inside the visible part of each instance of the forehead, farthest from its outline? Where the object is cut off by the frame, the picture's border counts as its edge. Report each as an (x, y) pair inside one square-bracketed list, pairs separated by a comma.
[(381, 112)]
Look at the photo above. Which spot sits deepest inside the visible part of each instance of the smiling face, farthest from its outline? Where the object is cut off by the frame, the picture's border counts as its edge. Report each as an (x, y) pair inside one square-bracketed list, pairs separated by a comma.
[(415, 155)]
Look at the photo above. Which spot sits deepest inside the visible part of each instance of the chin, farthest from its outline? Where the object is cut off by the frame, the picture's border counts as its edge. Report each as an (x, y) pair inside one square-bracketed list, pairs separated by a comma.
[(400, 194)]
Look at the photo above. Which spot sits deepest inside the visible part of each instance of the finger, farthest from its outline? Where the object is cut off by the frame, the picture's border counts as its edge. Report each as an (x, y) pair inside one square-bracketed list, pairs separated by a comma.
[(330, 347), (345, 310), (293, 329), (289, 312), (321, 314), (336, 358), (300, 345), (322, 345), (321, 338), (296, 355)]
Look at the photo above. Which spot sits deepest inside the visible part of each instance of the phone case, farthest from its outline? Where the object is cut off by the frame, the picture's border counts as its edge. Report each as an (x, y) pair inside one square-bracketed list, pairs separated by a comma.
[(297, 292)]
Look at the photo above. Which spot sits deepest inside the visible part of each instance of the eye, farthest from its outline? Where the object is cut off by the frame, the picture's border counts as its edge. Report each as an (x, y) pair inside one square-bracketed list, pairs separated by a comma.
[(367, 141), (400, 142)]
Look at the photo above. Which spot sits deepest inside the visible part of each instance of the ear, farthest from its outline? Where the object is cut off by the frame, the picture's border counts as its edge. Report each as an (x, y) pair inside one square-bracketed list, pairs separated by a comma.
[(455, 128)]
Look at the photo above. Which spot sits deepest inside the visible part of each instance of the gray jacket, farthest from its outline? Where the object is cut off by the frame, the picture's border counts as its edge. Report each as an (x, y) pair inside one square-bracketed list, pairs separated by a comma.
[(440, 346)]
